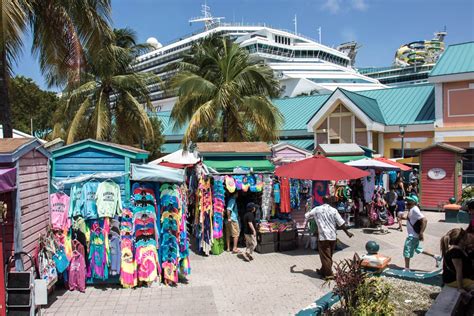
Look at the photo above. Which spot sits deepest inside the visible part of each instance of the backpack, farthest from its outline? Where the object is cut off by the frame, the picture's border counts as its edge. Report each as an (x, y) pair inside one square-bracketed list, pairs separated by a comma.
[(416, 226)]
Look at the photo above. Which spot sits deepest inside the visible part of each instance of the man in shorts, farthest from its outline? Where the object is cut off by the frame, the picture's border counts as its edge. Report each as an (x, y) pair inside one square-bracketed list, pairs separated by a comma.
[(416, 225), (232, 224)]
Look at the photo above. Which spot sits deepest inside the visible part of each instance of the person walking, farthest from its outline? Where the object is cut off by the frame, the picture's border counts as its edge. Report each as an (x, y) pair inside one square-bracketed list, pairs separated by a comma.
[(232, 224), (391, 198), (416, 226), (250, 231), (327, 220)]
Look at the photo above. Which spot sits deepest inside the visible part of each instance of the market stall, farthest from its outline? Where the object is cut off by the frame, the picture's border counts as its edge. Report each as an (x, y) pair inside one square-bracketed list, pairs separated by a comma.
[(229, 168), (325, 174), (441, 174)]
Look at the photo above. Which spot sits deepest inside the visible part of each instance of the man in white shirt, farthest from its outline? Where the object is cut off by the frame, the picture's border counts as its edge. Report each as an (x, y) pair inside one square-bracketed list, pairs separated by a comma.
[(416, 225), (328, 220)]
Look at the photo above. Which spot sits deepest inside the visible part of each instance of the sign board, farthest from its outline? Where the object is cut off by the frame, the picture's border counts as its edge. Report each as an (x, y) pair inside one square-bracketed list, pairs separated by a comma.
[(436, 173)]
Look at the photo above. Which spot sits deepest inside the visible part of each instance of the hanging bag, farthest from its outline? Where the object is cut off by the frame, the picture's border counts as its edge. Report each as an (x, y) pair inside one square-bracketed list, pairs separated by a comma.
[(60, 259)]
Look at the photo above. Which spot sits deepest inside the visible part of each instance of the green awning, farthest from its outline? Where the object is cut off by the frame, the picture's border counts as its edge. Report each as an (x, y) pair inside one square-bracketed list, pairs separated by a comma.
[(347, 158), (229, 164)]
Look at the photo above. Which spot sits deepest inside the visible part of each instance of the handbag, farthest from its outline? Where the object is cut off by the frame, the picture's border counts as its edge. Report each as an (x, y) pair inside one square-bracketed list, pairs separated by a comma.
[(60, 259)]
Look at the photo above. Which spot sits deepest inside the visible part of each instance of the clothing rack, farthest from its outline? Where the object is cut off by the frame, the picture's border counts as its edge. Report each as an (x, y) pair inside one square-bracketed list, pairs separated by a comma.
[(59, 183)]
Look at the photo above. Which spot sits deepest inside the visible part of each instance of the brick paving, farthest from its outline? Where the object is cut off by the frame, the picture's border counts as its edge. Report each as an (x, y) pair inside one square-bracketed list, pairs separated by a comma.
[(273, 284)]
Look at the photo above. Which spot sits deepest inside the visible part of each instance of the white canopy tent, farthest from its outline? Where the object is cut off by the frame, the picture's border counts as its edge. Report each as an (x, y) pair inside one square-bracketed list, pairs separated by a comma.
[(156, 173), (368, 163), (178, 157)]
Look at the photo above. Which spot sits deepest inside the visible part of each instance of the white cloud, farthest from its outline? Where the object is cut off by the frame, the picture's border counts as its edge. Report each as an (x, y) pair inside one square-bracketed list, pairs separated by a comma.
[(334, 6), (360, 5)]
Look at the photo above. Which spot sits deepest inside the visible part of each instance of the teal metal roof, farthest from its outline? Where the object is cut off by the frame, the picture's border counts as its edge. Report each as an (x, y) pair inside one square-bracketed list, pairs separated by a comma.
[(368, 105), (297, 111), (307, 144), (404, 105), (458, 58)]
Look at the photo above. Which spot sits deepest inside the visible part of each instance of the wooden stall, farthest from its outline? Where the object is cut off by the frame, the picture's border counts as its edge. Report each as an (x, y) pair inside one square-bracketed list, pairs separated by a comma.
[(440, 175), (27, 204), (92, 156)]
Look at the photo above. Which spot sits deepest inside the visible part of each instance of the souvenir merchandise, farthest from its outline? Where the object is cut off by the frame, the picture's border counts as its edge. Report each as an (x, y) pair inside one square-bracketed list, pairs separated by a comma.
[(276, 226), (218, 205), (294, 193), (320, 190), (108, 200), (60, 203), (174, 252), (98, 254), (276, 192), (230, 184), (267, 197), (77, 272), (368, 184), (205, 214), (88, 199), (285, 196), (146, 257), (47, 246), (75, 198)]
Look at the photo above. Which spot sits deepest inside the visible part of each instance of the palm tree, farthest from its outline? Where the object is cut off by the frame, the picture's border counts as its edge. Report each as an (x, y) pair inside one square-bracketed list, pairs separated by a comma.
[(112, 100), (220, 84), (61, 29)]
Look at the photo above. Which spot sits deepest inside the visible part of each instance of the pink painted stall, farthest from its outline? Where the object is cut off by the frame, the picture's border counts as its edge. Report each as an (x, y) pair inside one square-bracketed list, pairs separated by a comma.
[(283, 153), (27, 203), (441, 174)]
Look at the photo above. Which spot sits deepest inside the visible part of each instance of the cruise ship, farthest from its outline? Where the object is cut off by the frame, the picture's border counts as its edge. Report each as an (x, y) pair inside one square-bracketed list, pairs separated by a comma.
[(302, 65), (412, 63)]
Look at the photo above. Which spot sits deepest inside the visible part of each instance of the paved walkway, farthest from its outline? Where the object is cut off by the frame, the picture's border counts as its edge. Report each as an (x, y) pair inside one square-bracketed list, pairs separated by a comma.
[(273, 284)]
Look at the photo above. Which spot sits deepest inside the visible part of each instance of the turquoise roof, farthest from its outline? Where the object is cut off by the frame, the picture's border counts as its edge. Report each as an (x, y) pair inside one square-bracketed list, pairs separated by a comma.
[(458, 58), (297, 111), (307, 144), (405, 105), (368, 105)]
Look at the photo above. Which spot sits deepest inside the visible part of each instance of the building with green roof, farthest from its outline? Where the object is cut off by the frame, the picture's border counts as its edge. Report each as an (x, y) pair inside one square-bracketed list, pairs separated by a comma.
[(453, 79)]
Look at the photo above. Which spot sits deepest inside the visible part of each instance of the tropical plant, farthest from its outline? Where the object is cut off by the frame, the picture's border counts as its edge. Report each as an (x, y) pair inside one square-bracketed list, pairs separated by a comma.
[(347, 277), (373, 298), (112, 99), (61, 30), (219, 84)]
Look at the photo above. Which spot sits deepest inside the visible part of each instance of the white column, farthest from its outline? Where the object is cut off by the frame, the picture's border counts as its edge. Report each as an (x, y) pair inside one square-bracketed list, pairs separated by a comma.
[(369, 140), (439, 105), (353, 124), (381, 148)]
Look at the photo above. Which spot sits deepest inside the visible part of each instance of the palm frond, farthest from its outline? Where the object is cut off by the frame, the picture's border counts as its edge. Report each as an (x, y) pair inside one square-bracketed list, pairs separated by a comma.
[(78, 119)]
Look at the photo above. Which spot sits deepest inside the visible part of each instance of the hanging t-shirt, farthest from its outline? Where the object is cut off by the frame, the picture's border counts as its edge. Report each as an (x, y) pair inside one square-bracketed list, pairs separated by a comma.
[(59, 210), (276, 193), (369, 185), (109, 202), (75, 206), (88, 200)]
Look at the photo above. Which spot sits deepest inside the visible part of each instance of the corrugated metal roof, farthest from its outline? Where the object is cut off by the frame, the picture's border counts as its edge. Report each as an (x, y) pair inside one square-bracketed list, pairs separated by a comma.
[(307, 144), (368, 105), (405, 105), (233, 147), (458, 58), (297, 111), (340, 149)]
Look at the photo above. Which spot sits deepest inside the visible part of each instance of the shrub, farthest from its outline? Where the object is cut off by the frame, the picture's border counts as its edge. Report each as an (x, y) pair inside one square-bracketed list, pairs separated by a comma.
[(373, 298)]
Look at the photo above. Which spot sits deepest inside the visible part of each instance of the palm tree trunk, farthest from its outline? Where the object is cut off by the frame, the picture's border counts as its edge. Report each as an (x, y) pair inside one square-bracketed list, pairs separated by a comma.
[(225, 126), (5, 110)]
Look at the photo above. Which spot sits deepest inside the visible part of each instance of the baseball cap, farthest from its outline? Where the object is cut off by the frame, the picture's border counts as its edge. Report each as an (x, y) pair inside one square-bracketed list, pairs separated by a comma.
[(412, 198)]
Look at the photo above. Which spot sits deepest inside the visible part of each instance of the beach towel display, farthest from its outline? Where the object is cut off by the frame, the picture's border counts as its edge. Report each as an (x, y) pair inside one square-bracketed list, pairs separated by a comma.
[(285, 196), (218, 205), (205, 215), (295, 193), (320, 190)]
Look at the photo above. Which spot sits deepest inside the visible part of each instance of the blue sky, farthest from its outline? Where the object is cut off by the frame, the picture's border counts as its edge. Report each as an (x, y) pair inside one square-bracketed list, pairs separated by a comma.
[(380, 26)]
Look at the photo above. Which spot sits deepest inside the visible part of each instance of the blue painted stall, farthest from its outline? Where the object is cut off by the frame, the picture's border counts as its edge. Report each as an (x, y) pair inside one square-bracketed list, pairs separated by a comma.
[(92, 156)]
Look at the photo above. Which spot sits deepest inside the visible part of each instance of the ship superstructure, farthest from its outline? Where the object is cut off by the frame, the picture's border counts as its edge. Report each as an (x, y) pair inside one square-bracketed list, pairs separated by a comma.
[(302, 65)]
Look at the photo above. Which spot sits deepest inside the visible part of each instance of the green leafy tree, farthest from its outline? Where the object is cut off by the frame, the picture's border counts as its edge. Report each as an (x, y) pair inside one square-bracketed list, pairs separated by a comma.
[(32, 106), (61, 30), (112, 98), (219, 83), (154, 145)]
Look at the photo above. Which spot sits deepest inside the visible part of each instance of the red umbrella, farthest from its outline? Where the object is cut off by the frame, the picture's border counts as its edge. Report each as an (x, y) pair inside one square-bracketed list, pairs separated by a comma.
[(319, 168), (401, 166)]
